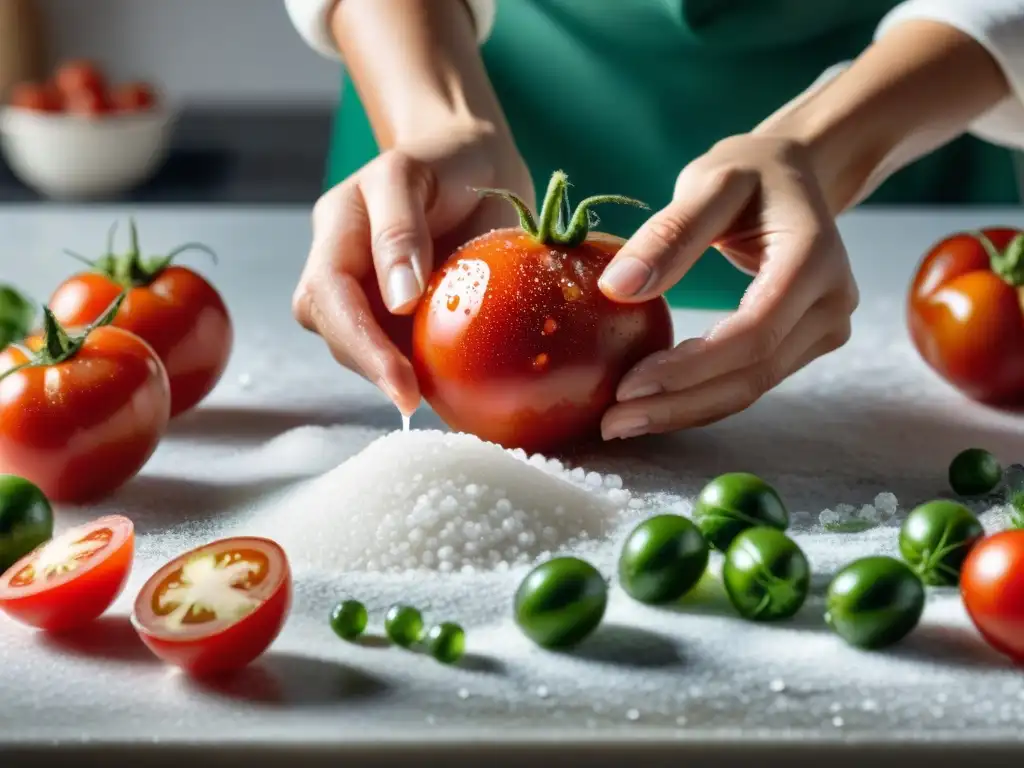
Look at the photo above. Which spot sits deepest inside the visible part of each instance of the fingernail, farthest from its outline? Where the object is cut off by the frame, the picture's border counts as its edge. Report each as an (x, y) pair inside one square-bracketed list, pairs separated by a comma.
[(637, 391), (629, 426), (626, 276), (403, 287)]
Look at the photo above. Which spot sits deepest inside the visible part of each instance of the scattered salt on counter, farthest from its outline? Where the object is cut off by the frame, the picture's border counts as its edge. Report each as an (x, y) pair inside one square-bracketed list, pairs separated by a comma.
[(430, 500)]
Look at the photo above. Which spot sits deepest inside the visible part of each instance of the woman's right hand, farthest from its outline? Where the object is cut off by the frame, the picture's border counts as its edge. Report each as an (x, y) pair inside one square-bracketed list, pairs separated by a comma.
[(378, 236)]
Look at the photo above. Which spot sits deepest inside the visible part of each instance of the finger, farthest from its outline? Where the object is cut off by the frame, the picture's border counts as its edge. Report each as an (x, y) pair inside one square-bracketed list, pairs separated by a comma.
[(396, 195), (819, 332), (781, 294), (671, 241)]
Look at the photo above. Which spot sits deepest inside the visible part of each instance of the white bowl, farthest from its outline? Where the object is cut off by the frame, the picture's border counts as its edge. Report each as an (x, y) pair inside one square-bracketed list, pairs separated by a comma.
[(73, 157)]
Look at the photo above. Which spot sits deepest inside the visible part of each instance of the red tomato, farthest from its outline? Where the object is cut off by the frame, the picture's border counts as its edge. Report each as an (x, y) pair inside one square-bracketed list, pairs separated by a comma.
[(73, 578), (133, 97), (514, 341), (81, 424), (992, 586), (965, 318), (79, 75), (39, 97), (88, 103), (217, 608), (181, 316)]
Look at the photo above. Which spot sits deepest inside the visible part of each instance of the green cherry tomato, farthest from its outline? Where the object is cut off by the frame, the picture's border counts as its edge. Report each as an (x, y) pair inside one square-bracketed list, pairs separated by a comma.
[(734, 502), (447, 642), (935, 539), (404, 625), (560, 602), (974, 472), (874, 602), (662, 559), (766, 575), (26, 519), (349, 619)]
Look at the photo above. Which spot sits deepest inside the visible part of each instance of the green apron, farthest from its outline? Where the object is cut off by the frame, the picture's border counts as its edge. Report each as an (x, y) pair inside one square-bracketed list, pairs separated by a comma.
[(622, 94)]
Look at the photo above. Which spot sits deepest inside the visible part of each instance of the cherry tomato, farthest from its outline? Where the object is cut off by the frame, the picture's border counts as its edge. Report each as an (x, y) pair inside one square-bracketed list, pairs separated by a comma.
[(217, 608), (133, 97), (964, 313), (86, 102), (39, 97), (79, 75), (176, 311), (992, 586), (73, 578), (85, 414), (514, 341)]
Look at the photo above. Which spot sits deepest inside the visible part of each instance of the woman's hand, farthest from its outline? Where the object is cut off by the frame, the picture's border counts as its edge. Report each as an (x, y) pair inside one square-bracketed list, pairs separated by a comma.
[(758, 201), (378, 235)]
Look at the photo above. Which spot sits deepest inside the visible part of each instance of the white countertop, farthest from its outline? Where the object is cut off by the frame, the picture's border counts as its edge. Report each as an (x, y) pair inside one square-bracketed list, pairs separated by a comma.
[(869, 418)]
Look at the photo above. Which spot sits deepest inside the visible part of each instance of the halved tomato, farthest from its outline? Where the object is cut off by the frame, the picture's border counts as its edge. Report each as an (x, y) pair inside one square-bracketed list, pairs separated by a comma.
[(73, 578), (217, 608)]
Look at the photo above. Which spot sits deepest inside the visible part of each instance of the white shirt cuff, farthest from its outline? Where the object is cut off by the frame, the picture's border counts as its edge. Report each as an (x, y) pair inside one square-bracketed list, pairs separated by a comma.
[(998, 25), (310, 19)]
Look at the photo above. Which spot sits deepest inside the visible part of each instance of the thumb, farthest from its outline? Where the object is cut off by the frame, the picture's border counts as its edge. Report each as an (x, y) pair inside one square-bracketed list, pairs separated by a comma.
[(704, 206)]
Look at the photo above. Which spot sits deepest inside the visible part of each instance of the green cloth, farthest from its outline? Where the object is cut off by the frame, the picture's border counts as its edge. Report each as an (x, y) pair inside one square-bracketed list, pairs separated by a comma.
[(622, 94)]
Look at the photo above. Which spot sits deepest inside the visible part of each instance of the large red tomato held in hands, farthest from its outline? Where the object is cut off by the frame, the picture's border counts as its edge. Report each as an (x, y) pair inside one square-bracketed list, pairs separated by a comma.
[(513, 340), (85, 413), (965, 315), (174, 309)]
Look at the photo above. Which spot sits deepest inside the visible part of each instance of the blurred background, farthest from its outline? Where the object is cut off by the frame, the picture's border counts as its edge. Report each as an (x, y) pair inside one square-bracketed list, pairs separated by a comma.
[(244, 105)]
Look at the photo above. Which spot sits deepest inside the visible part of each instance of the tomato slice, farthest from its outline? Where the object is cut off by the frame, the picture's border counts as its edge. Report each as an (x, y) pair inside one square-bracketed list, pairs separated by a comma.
[(73, 578), (217, 608)]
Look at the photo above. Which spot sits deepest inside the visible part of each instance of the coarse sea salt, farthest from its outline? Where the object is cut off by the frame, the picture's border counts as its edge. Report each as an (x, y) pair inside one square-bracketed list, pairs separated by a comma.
[(446, 502)]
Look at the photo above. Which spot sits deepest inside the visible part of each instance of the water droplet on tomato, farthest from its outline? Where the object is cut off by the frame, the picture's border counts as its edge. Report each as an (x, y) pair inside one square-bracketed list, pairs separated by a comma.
[(550, 326), (452, 303), (540, 362), (571, 291)]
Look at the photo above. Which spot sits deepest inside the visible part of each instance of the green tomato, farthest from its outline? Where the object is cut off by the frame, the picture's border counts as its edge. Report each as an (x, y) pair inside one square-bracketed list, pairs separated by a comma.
[(733, 502), (560, 602), (874, 602), (974, 472), (404, 625), (662, 559), (936, 538), (766, 575), (349, 619), (26, 519), (447, 642)]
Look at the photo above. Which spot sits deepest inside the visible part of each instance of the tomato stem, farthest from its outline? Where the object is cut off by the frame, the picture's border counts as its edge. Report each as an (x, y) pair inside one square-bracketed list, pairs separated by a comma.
[(1007, 264), (550, 227), (16, 316)]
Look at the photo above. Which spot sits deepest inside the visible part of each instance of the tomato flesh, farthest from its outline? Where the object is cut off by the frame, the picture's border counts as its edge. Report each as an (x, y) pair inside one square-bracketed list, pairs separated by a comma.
[(72, 579), (217, 608), (992, 587), (82, 428), (514, 342), (180, 315), (966, 322)]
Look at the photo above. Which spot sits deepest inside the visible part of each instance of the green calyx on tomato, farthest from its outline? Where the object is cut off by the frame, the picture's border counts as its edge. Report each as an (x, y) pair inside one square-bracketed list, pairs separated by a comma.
[(936, 538), (16, 316), (974, 472), (58, 345), (550, 227), (1007, 263), (766, 575), (662, 559), (26, 519), (733, 502), (874, 602), (131, 269), (560, 602)]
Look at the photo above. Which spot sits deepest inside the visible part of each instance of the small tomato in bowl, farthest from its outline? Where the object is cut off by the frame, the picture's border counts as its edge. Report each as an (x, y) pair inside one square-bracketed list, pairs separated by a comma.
[(173, 308), (81, 413), (965, 314), (514, 341)]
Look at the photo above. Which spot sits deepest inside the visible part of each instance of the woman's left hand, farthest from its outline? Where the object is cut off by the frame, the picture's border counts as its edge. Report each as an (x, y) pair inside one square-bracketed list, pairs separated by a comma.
[(757, 200)]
